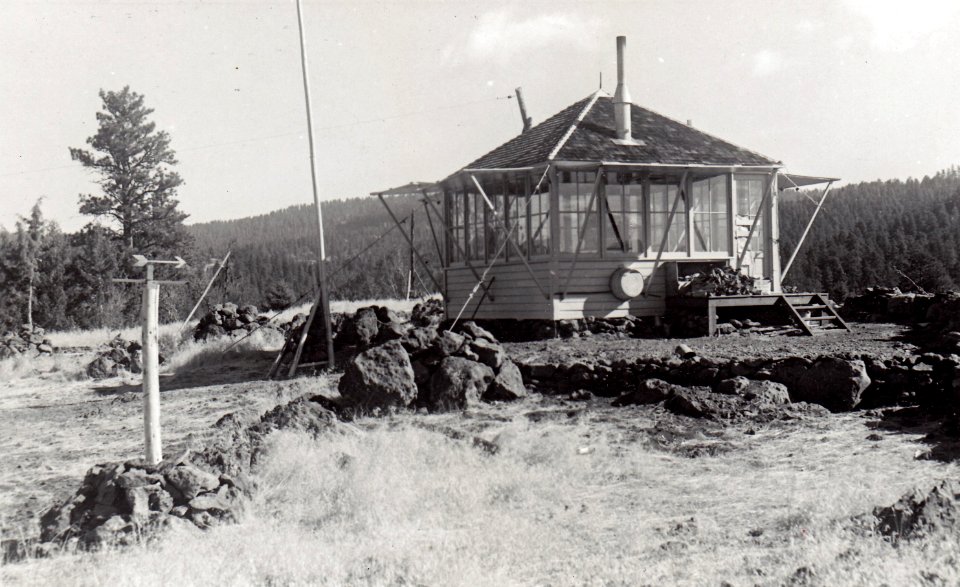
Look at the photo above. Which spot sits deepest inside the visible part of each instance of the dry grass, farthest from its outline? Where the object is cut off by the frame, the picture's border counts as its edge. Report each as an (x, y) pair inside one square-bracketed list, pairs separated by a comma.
[(566, 501), (57, 367)]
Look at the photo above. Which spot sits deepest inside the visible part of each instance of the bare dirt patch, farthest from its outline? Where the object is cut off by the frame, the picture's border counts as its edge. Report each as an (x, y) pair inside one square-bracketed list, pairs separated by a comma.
[(880, 340)]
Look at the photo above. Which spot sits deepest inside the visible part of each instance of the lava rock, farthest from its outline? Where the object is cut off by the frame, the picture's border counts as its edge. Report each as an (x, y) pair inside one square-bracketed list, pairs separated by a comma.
[(379, 377), (458, 383)]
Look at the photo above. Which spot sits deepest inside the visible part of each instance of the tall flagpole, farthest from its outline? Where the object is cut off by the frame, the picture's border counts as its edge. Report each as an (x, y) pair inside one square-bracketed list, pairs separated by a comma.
[(321, 263)]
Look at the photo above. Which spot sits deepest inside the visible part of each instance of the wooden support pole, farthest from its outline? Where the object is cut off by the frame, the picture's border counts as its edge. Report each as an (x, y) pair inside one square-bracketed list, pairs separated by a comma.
[(806, 230), (205, 291), (153, 452), (433, 232), (410, 242), (324, 297), (410, 265)]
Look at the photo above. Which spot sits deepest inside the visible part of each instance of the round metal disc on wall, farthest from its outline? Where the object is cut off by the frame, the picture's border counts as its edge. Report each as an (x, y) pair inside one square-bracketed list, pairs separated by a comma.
[(626, 283)]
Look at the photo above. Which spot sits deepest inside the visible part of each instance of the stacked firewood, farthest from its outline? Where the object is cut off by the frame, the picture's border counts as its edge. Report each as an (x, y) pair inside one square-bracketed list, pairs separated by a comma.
[(719, 281)]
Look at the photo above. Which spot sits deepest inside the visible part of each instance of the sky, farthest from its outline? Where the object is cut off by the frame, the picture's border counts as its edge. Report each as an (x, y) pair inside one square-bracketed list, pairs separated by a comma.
[(414, 90)]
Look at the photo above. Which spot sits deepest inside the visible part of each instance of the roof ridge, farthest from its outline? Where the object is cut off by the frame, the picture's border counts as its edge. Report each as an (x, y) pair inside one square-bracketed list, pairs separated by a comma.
[(712, 136), (573, 127)]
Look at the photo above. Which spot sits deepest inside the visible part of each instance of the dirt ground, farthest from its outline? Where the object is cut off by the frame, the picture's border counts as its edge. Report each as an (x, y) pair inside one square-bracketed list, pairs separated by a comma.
[(881, 340), (52, 430)]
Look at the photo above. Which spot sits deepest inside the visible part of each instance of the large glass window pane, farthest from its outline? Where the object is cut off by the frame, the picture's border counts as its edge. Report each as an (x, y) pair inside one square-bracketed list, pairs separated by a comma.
[(516, 203), (623, 222), (749, 197), (576, 190), (710, 214), (455, 218), (662, 197), (540, 234)]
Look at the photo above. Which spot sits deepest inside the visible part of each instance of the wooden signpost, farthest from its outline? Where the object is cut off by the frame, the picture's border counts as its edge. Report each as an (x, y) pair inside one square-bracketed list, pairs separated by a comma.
[(150, 352)]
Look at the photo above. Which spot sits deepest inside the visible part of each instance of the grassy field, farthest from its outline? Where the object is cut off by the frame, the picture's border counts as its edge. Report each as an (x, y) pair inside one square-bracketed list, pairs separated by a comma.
[(595, 498), (574, 494)]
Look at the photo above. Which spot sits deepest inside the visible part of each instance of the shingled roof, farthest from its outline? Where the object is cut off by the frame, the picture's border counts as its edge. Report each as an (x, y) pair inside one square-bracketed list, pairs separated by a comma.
[(660, 141)]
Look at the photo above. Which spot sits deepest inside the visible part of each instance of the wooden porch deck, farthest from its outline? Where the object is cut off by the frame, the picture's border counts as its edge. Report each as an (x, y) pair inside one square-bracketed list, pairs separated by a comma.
[(800, 308)]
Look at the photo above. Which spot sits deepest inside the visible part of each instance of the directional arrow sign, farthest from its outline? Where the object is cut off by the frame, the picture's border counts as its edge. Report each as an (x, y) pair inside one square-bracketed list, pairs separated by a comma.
[(140, 261)]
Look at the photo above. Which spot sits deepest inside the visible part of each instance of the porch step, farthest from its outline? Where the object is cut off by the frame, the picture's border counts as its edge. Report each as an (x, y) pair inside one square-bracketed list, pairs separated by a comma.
[(825, 318)]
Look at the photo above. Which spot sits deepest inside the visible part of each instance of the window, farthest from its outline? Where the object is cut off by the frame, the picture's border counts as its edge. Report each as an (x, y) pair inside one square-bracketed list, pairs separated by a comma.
[(539, 226), (455, 212), (662, 197), (749, 196), (516, 212), (710, 215), (623, 222), (576, 190), (475, 234), (495, 236)]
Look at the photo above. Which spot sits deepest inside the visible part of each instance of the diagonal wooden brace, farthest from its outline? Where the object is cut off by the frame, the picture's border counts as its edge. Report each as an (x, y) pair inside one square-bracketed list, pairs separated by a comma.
[(410, 241), (583, 231), (681, 194), (756, 221), (508, 235), (463, 254)]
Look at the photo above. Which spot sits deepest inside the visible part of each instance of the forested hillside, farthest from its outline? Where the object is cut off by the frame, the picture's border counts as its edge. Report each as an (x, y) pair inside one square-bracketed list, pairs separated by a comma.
[(904, 233), (277, 251)]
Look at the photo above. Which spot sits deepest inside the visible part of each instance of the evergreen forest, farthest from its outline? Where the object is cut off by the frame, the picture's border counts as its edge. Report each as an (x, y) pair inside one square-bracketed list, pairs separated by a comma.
[(890, 233)]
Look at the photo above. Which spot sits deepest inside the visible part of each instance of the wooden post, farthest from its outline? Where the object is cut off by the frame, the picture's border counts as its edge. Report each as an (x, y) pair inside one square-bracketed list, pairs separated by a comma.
[(153, 453), (205, 291), (322, 254), (410, 265), (149, 314), (806, 230)]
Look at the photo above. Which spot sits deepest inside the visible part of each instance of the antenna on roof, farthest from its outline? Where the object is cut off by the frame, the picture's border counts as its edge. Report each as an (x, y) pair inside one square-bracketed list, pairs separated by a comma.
[(527, 121), (601, 80)]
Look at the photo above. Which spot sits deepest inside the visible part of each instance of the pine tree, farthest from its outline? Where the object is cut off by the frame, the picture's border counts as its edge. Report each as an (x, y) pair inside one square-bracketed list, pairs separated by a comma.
[(133, 161)]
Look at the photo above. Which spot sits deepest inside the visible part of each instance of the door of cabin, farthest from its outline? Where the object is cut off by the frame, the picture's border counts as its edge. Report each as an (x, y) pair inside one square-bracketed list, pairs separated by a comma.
[(749, 200)]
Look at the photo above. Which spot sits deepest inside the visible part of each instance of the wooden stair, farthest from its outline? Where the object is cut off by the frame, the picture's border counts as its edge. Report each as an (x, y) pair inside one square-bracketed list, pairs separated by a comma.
[(813, 313)]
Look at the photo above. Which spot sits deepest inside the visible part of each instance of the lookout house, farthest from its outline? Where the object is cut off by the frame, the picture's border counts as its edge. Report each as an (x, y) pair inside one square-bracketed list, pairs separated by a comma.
[(601, 208)]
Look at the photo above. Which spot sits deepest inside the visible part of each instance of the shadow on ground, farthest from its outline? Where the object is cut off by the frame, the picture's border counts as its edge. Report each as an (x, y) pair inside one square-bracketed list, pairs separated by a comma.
[(940, 431), (250, 366)]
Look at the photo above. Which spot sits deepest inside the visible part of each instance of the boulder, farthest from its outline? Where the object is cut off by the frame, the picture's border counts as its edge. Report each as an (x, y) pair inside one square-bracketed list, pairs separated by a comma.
[(490, 354), (458, 383), (420, 338), (916, 514), (392, 331), (701, 404), (477, 332), (379, 377), (449, 343), (650, 391), (749, 389), (386, 315), (836, 384), (360, 330), (101, 368), (191, 481), (507, 385)]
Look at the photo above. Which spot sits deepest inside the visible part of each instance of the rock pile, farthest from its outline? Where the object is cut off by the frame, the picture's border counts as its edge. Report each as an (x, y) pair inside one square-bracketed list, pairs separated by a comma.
[(936, 316), (122, 502), (887, 304), (839, 383), (14, 343), (422, 366), (119, 501), (720, 281), (118, 355), (229, 319), (917, 514)]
